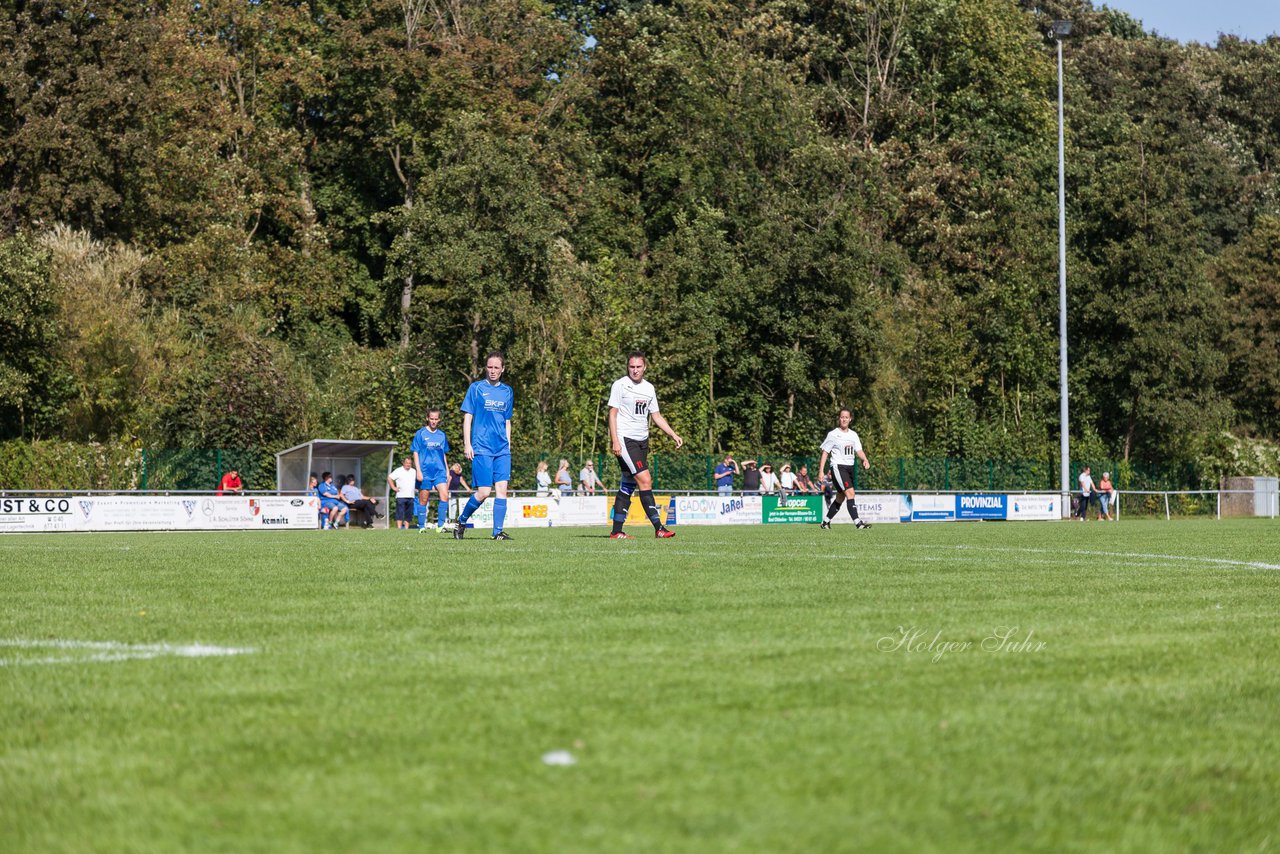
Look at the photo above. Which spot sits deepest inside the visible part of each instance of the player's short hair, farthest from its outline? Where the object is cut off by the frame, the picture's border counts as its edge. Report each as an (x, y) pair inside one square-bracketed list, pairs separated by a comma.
[(498, 354), (437, 410), (637, 354), (326, 475)]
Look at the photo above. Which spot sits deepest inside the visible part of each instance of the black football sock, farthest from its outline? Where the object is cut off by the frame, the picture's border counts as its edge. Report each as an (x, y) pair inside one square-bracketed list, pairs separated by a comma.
[(834, 507), (621, 504), (651, 508), (853, 511)]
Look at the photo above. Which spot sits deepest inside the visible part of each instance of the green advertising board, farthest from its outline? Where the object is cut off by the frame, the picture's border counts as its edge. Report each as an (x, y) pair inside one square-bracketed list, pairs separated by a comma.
[(793, 509)]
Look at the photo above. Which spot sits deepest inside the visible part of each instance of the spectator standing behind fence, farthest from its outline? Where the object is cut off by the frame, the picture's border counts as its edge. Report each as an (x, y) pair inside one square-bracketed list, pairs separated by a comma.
[(1106, 495), (750, 478), (230, 483), (403, 480), (788, 478), (588, 480), (1086, 493), (543, 479), (768, 480), (804, 483), (564, 480), (724, 474)]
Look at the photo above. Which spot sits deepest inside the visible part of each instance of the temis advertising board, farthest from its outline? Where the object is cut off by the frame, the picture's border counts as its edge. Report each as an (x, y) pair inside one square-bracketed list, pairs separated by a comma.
[(877, 509)]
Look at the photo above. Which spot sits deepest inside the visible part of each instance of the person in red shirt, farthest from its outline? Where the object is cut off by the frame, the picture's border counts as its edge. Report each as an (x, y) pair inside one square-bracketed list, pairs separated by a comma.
[(230, 483)]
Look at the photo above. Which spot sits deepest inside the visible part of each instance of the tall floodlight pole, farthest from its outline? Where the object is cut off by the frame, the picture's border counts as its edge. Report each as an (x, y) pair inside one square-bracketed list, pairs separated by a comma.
[(1060, 30)]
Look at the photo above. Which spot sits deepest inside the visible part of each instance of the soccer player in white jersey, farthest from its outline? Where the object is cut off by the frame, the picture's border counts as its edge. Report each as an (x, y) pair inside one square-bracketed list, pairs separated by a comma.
[(845, 449), (632, 401)]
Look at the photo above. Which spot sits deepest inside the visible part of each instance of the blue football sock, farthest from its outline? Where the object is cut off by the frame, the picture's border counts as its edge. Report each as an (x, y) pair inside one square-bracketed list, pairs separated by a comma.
[(472, 506), (499, 514), (442, 513)]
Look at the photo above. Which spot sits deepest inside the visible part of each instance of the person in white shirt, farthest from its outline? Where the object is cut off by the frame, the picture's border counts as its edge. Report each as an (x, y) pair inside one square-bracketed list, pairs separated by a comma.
[(543, 478), (588, 480), (845, 449), (632, 401), (403, 480), (788, 479), (1086, 492), (768, 480)]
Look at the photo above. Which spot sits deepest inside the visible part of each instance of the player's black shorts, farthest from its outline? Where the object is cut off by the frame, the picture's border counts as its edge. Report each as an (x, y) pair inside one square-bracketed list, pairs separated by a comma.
[(843, 476), (635, 456)]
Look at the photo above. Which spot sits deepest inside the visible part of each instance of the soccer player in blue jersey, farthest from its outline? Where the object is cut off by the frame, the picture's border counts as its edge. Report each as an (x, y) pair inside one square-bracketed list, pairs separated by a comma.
[(486, 440), (431, 464)]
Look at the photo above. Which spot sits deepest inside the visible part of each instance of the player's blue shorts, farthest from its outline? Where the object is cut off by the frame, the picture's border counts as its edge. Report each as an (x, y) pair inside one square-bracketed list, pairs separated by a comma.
[(432, 479), (487, 469), (329, 503)]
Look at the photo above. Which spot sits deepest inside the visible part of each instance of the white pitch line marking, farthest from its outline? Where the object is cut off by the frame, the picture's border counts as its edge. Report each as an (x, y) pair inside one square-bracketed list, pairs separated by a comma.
[(113, 651), (1217, 561)]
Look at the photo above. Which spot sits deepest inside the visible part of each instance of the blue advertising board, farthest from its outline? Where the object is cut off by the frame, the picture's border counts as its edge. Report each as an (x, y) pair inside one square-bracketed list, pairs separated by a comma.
[(982, 506)]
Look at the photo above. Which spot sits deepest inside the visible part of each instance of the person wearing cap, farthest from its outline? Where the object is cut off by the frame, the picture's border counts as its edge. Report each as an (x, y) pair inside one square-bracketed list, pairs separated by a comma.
[(230, 483), (1106, 494), (588, 480)]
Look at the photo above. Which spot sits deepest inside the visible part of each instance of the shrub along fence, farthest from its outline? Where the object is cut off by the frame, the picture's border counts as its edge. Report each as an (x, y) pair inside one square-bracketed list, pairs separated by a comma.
[(111, 466)]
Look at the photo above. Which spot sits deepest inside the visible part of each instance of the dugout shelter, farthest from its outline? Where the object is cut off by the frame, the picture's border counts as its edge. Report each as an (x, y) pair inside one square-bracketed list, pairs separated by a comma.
[(370, 461)]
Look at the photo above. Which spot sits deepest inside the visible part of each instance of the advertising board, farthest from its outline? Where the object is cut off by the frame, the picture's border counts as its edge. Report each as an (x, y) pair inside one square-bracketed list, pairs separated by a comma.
[(791, 509), (157, 513), (982, 506), (1042, 507), (874, 508), (933, 508)]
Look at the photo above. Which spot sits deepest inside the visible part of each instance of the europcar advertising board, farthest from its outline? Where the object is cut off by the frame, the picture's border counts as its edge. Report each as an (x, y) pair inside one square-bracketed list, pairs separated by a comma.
[(791, 509), (156, 513)]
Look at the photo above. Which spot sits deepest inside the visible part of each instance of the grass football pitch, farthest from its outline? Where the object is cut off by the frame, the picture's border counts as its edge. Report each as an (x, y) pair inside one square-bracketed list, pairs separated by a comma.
[(946, 687)]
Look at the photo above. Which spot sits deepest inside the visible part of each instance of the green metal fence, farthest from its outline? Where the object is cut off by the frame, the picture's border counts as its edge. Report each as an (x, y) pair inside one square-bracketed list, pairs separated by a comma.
[(159, 469)]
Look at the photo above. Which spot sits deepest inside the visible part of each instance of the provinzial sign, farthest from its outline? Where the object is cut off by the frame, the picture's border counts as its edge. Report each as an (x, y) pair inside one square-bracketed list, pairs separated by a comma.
[(982, 506)]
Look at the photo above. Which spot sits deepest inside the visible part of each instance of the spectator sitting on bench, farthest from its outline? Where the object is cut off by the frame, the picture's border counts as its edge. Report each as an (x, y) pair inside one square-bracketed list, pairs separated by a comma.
[(331, 507), (360, 503)]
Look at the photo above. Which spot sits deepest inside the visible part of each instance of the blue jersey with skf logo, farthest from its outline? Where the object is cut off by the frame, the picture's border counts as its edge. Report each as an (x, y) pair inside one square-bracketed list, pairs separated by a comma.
[(431, 446), (491, 407)]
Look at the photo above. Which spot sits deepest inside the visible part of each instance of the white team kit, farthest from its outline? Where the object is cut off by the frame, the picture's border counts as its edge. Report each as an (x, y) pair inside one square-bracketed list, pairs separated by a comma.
[(635, 402), (843, 446)]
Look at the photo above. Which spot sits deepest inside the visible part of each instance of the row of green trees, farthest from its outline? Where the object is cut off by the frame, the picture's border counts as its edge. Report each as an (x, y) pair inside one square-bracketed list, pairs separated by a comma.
[(242, 224)]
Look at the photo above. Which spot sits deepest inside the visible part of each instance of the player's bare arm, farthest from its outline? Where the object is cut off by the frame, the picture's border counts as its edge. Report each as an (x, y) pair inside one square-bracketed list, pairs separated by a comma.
[(613, 431), (466, 436), (666, 428), (863, 457)]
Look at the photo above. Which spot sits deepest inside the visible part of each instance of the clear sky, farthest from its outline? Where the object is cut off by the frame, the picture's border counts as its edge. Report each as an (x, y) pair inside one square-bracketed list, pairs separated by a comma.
[(1202, 20)]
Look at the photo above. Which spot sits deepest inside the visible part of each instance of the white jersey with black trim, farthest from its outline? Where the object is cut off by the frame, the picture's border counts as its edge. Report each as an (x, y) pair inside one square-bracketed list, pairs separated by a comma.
[(635, 402), (843, 446)]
